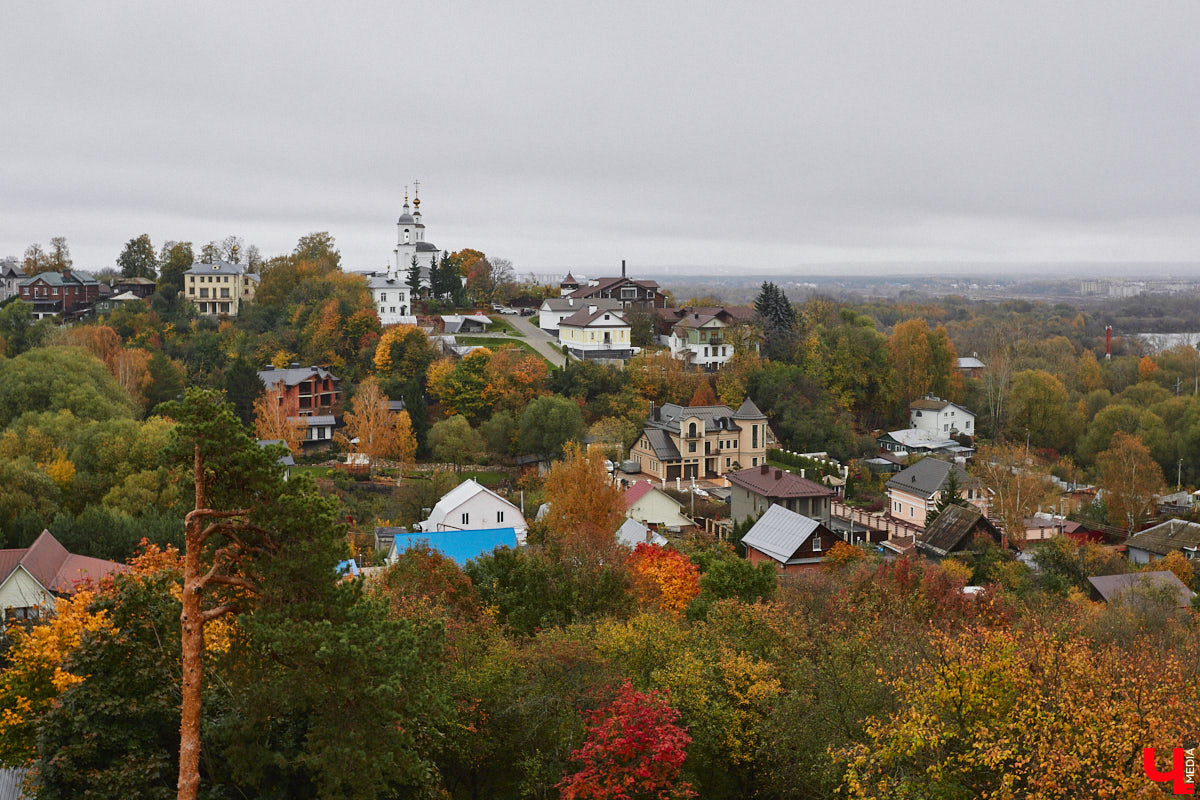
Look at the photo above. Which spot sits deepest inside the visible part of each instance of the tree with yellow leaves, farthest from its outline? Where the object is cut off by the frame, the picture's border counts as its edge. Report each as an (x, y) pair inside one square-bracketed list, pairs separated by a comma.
[(37, 672), (1131, 479), (373, 430), (273, 422), (1004, 713), (584, 505)]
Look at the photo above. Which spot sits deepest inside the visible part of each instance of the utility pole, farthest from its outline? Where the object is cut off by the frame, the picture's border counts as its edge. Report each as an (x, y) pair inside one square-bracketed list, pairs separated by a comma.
[(1178, 475)]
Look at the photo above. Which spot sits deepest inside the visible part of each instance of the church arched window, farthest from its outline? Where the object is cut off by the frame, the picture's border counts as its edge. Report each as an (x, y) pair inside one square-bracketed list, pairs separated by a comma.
[(406, 235)]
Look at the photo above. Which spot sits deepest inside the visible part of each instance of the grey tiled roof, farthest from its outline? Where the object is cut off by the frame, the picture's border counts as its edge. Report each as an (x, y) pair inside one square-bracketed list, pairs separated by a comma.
[(218, 267), (570, 304), (585, 317), (925, 478), (747, 410), (663, 447), (715, 418), (76, 278), (293, 375)]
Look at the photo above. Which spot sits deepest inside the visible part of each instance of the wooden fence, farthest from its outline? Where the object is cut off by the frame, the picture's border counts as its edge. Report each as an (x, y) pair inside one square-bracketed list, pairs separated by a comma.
[(880, 526)]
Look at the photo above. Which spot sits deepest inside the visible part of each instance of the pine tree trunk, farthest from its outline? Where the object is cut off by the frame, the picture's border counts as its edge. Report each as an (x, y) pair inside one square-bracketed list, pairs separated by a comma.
[(193, 648)]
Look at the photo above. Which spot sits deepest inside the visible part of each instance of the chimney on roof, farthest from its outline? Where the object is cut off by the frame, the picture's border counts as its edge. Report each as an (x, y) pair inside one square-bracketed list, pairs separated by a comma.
[(622, 268), (66, 272), (295, 365), (778, 474), (270, 366), (592, 309), (764, 468)]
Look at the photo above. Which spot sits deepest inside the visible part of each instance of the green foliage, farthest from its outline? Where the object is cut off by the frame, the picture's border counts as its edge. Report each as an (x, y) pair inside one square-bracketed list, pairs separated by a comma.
[(454, 441), (547, 424), (174, 260), (137, 259), (54, 378), (724, 576), (531, 590), (242, 388), (19, 331), (812, 468), (778, 320), (116, 734)]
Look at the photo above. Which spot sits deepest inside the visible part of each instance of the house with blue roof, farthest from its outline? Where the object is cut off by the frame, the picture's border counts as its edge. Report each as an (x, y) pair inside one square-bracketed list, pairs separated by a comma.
[(458, 546)]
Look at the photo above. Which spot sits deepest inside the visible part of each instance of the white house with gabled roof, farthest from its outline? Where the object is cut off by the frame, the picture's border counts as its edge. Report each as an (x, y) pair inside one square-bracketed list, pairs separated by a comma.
[(940, 417), (471, 506)]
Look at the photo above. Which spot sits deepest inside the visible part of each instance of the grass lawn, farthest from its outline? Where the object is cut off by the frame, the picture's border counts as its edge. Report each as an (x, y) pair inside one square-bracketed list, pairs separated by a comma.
[(494, 343), (501, 325), (485, 476), (315, 471)]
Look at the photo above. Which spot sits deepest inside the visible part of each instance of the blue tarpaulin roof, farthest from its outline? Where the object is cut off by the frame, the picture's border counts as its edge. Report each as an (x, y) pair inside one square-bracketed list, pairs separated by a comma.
[(460, 546)]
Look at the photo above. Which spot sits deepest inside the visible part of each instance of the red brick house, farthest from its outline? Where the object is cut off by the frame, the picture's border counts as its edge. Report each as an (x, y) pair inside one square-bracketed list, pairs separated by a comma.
[(67, 293), (307, 391)]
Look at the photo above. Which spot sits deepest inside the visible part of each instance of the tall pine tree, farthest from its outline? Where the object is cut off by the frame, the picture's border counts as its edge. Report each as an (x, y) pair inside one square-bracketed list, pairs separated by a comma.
[(777, 318)]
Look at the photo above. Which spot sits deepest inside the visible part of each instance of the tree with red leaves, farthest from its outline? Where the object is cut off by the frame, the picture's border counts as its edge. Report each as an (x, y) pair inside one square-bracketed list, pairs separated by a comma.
[(634, 751)]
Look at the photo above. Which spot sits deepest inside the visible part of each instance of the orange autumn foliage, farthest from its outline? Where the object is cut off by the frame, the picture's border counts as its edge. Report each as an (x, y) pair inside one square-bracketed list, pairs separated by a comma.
[(584, 505), (663, 577)]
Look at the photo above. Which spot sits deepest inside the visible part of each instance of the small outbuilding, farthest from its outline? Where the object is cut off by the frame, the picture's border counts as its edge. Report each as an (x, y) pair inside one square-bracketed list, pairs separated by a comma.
[(1112, 588), (793, 541)]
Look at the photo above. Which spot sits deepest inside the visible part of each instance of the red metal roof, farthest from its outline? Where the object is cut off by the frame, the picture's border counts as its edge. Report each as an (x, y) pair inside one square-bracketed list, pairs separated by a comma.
[(53, 567), (637, 492)]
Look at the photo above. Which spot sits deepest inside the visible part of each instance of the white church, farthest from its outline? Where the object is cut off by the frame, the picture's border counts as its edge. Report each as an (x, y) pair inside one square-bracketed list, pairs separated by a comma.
[(390, 289)]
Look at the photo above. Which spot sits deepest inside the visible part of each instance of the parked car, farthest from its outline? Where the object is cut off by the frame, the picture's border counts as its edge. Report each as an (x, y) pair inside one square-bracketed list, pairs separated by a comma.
[(508, 311), (527, 312)]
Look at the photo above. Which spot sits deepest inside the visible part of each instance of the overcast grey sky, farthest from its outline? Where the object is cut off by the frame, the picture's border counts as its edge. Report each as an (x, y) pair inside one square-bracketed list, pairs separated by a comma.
[(761, 136)]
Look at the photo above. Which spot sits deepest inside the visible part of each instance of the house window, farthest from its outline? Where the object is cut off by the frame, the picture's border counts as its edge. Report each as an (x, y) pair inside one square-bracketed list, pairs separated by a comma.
[(816, 543), (499, 516), (946, 427), (466, 518), (727, 462), (393, 309), (754, 462), (20, 613), (691, 447), (383, 297), (754, 436), (967, 425)]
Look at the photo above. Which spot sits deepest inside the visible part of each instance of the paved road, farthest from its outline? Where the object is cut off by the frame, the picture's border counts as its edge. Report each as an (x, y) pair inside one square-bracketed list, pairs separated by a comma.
[(538, 339)]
